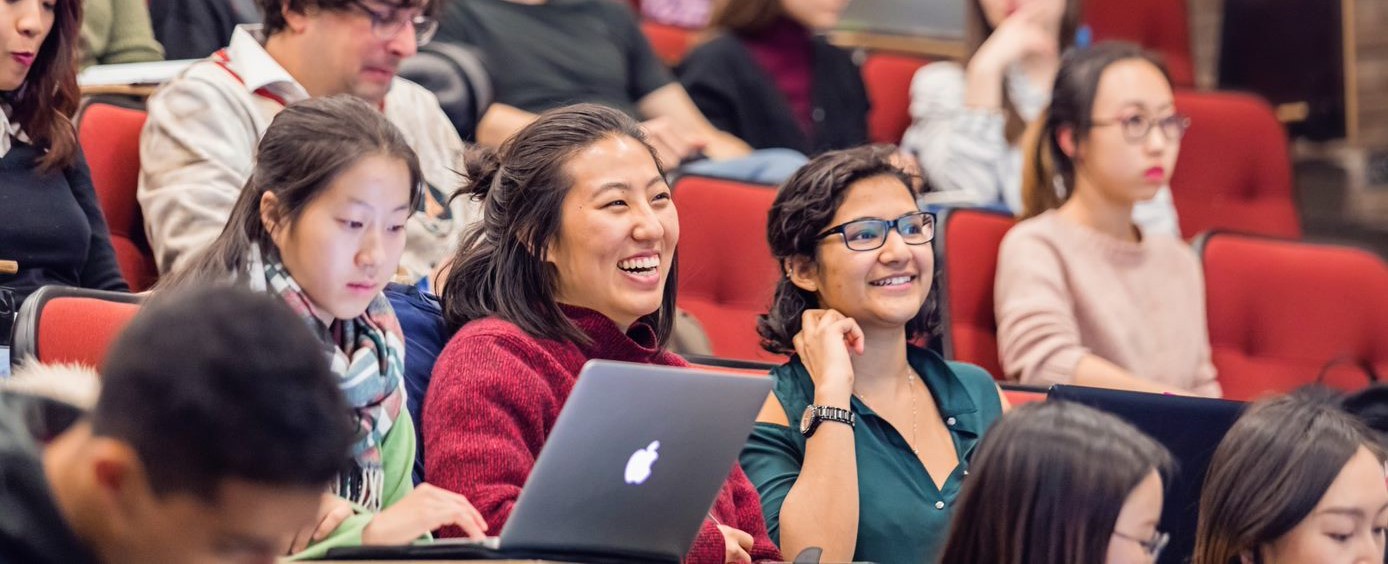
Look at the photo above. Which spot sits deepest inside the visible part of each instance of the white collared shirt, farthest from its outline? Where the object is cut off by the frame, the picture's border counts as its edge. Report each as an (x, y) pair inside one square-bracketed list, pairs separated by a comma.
[(12, 131), (197, 149)]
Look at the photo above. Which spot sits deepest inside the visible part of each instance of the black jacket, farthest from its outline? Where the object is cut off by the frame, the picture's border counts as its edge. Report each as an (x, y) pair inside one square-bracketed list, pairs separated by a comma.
[(741, 98), (31, 529)]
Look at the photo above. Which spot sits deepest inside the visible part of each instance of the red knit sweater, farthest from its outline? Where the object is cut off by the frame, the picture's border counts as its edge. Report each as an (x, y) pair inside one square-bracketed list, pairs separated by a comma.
[(494, 397)]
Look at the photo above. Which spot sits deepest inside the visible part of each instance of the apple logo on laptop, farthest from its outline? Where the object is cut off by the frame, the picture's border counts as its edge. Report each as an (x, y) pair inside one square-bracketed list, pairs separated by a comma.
[(639, 465)]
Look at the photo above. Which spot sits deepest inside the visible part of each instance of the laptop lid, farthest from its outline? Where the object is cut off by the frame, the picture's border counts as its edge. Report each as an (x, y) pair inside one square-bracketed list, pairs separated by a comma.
[(635, 461), (1191, 428)]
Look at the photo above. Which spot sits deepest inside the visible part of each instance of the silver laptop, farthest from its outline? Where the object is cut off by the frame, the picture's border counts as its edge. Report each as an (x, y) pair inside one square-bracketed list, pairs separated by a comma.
[(636, 458)]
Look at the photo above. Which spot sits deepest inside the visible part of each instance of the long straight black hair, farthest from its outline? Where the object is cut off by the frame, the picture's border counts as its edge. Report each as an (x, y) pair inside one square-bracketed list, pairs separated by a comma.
[(1048, 483), (1271, 470), (307, 146), (1072, 106)]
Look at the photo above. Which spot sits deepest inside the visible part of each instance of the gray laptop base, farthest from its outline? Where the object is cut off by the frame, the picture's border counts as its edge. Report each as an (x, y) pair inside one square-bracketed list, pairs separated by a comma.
[(582, 501)]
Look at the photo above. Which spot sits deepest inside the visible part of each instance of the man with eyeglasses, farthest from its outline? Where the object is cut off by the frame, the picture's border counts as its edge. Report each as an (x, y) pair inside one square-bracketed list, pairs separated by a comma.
[(197, 146)]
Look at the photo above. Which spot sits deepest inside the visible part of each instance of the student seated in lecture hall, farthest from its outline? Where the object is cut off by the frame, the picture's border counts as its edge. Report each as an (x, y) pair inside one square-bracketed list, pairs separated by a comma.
[(865, 435), (51, 227), (321, 225), (968, 119), (1108, 510), (574, 261), (533, 40), (193, 449), (1296, 479), (198, 145), (1083, 294)]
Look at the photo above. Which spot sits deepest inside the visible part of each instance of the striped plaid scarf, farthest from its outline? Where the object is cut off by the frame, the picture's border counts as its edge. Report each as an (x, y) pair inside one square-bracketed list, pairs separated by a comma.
[(368, 355)]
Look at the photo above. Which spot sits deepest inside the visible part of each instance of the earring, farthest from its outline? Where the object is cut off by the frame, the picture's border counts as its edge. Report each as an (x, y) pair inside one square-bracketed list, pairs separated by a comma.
[(1058, 184)]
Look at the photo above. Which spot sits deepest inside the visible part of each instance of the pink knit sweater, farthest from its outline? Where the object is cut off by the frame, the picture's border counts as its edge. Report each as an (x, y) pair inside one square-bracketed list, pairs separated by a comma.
[(495, 395), (1064, 290)]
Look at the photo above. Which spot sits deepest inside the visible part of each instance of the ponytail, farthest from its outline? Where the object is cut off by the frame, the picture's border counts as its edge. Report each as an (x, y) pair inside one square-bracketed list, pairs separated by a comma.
[(1048, 174), (1043, 186)]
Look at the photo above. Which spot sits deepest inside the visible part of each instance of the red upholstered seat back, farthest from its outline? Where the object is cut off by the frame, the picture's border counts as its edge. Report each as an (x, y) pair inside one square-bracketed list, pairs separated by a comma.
[(727, 275), (966, 254), (1234, 171), (81, 329), (110, 139), (1018, 396), (1158, 25), (63, 324), (1282, 311), (671, 43), (888, 80)]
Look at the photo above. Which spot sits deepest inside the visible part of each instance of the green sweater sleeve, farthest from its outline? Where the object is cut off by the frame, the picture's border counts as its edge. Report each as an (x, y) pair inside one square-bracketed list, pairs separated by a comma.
[(118, 31), (397, 453)]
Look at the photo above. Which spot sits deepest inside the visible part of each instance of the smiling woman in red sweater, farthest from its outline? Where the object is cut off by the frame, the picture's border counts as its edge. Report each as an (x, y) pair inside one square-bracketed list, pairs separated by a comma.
[(574, 260)]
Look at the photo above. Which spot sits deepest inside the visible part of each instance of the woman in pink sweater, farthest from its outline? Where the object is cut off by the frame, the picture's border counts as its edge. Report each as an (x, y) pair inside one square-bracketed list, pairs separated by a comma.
[(574, 260), (1083, 296)]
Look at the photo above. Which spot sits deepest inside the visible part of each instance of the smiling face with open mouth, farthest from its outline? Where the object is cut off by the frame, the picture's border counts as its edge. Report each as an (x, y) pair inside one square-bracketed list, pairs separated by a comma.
[(883, 287), (617, 235)]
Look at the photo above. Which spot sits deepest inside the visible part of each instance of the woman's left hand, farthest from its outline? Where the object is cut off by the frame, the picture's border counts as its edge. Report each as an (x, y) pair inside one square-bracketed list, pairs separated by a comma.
[(331, 512)]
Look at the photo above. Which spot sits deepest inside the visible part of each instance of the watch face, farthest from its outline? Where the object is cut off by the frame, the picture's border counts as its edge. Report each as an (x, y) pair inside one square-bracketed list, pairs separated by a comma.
[(806, 419)]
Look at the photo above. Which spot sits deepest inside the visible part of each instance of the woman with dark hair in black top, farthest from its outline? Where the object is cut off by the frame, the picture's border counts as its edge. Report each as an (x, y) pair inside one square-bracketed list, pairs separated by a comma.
[(51, 228), (771, 80)]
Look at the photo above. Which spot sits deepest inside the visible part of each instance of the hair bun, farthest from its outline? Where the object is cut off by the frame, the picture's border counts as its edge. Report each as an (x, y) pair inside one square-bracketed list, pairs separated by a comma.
[(482, 165)]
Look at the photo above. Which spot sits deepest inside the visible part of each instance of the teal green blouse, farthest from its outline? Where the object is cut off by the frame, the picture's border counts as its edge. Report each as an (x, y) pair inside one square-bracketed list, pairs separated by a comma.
[(902, 516)]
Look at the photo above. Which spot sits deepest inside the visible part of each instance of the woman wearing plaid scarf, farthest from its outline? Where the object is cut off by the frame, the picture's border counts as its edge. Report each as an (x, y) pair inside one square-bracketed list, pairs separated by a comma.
[(321, 223)]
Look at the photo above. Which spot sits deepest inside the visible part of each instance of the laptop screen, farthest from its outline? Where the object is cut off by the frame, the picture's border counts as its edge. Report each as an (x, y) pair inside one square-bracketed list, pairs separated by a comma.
[(1191, 428)]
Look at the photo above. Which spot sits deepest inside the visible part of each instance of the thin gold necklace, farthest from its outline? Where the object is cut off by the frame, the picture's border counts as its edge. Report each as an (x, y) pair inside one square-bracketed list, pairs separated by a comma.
[(911, 389)]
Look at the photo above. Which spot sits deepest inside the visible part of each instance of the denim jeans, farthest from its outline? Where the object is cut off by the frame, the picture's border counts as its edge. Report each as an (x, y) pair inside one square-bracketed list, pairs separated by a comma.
[(766, 166)]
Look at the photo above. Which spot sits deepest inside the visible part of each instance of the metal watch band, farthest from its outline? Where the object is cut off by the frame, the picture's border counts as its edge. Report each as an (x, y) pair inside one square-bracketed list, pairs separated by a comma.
[(829, 413)]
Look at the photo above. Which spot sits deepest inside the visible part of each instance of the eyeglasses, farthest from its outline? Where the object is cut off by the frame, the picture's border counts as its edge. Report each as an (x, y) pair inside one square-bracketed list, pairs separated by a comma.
[(916, 228), (1137, 127), (1152, 546), (387, 26)]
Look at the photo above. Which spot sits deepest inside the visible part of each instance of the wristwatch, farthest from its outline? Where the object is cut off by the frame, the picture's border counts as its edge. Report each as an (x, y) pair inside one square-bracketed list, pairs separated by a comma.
[(816, 413)]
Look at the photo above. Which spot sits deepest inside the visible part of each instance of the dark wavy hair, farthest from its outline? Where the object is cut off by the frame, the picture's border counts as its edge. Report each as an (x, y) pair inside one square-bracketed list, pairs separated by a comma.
[(803, 208), (306, 147), (1271, 470), (1072, 105), (274, 9), (1048, 482), (500, 269), (45, 103)]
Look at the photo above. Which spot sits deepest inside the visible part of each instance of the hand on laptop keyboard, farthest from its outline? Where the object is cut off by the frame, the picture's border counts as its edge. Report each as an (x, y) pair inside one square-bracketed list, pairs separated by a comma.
[(425, 509)]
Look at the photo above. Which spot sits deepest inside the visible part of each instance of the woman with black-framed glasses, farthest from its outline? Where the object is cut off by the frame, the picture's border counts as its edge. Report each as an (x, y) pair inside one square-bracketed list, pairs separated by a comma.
[(865, 441), (1062, 483), (1083, 294)]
